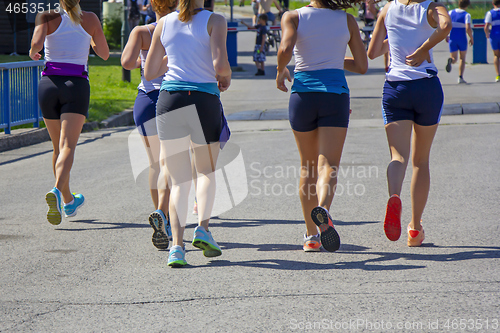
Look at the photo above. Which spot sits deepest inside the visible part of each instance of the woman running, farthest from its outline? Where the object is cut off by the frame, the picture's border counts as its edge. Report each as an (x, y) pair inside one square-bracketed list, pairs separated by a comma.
[(64, 91), (318, 36), (189, 115), (134, 56), (412, 101)]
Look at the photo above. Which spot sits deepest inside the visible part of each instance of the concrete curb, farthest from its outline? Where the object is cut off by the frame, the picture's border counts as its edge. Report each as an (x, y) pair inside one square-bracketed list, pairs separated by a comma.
[(26, 137), (282, 114)]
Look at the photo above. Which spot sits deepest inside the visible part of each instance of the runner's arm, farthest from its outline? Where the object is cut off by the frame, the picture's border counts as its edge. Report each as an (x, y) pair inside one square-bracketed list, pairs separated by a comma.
[(358, 63)]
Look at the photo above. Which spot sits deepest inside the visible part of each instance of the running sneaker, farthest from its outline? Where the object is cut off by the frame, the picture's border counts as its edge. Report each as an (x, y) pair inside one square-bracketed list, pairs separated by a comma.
[(497, 79), (312, 243), (461, 80), (203, 239), (70, 209), (448, 65), (392, 222), (415, 237), (162, 232), (177, 256), (330, 239), (54, 200), (195, 207)]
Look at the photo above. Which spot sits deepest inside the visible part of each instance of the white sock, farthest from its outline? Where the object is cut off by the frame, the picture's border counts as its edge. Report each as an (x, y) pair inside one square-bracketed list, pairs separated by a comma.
[(70, 203)]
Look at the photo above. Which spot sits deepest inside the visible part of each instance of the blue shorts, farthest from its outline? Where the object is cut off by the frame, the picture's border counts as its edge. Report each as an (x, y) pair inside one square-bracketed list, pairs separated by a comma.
[(418, 100), (270, 16), (310, 110), (495, 43), (145, 112), (458, 45)]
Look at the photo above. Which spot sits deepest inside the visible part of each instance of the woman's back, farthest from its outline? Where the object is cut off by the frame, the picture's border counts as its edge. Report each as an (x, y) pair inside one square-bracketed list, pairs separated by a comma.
[(187, 46), (407, 29), (322, 37)]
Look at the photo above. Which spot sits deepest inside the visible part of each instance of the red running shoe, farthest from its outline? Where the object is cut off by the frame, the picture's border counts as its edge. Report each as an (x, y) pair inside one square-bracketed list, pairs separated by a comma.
[(392, 222)]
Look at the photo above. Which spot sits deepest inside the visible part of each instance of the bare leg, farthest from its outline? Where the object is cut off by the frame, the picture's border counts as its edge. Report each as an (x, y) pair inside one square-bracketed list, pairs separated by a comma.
[(398, 137), (331, 142), (71, 127), (54, 129), (205, 160), (420, 182), (152, 145), (173, 161), (307, 143), (496, 54), (454, 57), (462, 63)]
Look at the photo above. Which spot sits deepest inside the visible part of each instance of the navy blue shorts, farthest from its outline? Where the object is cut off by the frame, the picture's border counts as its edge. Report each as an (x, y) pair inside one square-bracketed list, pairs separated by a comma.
[(418, 100), (145, 112), (495, 43), (310, 110)]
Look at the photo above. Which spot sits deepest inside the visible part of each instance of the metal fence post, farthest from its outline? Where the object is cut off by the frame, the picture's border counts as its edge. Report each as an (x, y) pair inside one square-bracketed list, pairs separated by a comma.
[(6, 99)]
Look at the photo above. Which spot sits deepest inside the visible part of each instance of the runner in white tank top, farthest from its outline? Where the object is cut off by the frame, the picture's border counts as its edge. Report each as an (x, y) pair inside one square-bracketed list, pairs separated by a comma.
[(192, 43), (134, 56), (64, 91), (412, 101), (318, 36)]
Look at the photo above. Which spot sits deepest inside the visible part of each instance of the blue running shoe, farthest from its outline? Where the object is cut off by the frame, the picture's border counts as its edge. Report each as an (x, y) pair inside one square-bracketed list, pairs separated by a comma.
[(203, 239), (176, 257), (78, 201), (54, 201), (162, 232)]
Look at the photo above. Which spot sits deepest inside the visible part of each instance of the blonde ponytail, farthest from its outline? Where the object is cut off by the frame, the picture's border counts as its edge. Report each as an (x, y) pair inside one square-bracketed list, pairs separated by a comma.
[(186, 10), (73, 9)]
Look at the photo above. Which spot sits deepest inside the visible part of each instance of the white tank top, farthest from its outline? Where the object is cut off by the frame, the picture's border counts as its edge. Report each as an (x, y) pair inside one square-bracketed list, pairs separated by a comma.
[(407, 29), (145, 85), (187, 46), (322, 38), (70, 43)]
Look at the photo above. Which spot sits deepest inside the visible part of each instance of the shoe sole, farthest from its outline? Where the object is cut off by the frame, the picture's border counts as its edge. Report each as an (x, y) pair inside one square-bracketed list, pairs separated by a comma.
[(330, 239), (76, 209), (309, 249), (54, 214), (159, 238), (448, 66), (392, 222), (208, 249), (177, 263)]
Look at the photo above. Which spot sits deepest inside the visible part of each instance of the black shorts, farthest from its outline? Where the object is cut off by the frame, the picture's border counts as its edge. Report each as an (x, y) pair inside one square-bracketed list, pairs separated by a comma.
[(189, 113), (310, 110), (63, 94)]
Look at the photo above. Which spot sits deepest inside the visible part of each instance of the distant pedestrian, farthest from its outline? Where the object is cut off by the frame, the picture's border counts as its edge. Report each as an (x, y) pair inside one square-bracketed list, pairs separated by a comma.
[(412, 101), (492, 30), (134, 56), (318, 36), (64, 91), (461, 21), (189, 115), (259, 52)]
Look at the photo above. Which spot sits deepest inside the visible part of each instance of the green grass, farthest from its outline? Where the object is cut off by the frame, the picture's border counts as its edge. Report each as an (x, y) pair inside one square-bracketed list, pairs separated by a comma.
[(109, 95)]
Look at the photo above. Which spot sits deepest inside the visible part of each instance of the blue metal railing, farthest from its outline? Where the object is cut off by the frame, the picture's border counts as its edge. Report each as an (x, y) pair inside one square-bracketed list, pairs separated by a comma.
[(19, 94)]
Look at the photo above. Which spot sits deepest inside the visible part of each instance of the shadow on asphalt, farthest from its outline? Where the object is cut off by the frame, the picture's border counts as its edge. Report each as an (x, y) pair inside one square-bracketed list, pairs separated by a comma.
[(373, 264)]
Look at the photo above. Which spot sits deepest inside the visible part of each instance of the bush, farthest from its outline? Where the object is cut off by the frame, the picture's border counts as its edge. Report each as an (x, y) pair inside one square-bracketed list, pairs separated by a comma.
[(112, 28)]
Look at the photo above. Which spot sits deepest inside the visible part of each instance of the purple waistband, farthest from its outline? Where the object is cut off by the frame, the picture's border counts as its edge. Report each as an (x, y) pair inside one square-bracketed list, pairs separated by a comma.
[(64, 69)]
